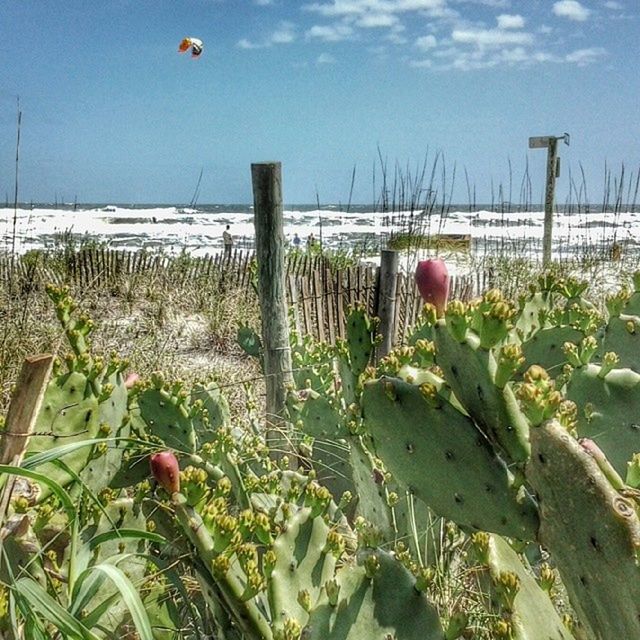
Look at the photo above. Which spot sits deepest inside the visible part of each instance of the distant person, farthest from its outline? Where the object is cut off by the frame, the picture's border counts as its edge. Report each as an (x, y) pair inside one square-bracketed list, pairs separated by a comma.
[(227, 239), (311, 242), (296, 241)]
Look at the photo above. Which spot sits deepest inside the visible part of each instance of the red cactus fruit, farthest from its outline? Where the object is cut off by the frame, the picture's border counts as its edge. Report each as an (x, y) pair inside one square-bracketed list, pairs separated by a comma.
[(432, 279), (165, 469)]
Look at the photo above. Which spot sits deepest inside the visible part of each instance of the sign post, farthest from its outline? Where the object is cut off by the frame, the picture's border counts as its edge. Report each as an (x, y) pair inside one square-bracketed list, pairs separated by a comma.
[(553, 171)]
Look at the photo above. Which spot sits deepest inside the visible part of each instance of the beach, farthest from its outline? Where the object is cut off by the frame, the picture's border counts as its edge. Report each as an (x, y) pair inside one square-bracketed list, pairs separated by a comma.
[(362, 228)]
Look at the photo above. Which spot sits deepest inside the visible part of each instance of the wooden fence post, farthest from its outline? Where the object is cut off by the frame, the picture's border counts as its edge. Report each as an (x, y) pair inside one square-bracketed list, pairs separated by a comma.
[(387, 288), (267, 206), (21, 418)]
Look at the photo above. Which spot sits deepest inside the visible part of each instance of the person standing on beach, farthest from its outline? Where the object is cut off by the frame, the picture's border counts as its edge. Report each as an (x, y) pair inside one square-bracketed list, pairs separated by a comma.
[(311, 242), (296, 241), (227, 239)]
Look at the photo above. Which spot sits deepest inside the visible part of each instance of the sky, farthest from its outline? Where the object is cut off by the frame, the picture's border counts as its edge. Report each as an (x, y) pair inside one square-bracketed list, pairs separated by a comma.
[(342, 92)]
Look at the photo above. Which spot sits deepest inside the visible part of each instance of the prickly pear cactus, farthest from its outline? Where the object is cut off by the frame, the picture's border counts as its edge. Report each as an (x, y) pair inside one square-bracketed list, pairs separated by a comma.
[(374, 598), (163, 410), (471, 371), (466, 481), (69, 413), (217, 410), (592, 530), (360, 339), (608, 410), (524, 606)]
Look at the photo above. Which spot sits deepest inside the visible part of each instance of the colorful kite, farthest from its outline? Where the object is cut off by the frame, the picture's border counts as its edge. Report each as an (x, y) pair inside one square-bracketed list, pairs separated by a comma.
[(194, 44)]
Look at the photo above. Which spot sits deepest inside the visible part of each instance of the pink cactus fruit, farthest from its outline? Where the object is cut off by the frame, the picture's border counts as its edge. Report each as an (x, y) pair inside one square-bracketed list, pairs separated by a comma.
[(432, 279), (165, 469), (131, 379)]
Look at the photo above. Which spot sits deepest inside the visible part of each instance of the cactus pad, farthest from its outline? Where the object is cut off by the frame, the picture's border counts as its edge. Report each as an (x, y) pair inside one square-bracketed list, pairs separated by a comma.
[(385, 606), (443, 458), (608, 411), (593, 532)]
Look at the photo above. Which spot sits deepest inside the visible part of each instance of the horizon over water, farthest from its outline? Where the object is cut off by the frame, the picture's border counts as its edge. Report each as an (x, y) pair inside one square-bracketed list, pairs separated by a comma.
[(510, 229)]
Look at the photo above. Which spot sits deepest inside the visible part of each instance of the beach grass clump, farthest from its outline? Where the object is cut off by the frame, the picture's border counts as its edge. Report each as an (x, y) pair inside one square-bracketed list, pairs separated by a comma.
[(156, 319)]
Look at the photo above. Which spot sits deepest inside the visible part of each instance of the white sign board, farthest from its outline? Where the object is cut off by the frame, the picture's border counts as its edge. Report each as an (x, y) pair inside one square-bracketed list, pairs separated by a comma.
[(539, 142)]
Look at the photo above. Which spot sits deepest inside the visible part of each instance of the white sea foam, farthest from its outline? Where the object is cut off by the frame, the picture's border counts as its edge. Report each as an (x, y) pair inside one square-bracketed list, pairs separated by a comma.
[(199, 230)]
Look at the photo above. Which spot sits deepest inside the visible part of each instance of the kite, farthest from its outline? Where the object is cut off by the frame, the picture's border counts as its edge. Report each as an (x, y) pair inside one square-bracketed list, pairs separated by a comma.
[(194, 44)]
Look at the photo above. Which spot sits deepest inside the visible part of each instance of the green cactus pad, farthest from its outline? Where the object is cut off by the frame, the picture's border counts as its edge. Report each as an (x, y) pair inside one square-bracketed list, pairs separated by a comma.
[(608, 411), (622, 335), (531, 309), (315, 415), (470, 371), (385, 606), (534, 615), (444, 459), (217, 409), (69, 413), (302, 564), (360, 334), (249, 341), (349, 382), (544, 348), (112, 412), (591, 530), (166, 420)]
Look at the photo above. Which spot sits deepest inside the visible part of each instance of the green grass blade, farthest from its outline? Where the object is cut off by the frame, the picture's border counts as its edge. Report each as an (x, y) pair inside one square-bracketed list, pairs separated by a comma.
[(50, 455), (62, 495), (117, 534), (52, 611), (85, 587), (37, 459), (130, 597)]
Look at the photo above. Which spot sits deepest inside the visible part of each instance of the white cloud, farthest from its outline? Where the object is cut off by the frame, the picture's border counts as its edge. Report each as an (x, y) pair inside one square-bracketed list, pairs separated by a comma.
[(582, 57), (284, 34), (571, 9), (247, 44), (360, 7), (490, 37), (426, 42), (330, 33), (375, 20), (507, 21), (325, 58), (612, 4)]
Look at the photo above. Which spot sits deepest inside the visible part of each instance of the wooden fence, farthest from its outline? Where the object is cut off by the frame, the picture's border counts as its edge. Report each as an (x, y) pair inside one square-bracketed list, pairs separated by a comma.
[(318, 293), (103, 267), (320, 300)]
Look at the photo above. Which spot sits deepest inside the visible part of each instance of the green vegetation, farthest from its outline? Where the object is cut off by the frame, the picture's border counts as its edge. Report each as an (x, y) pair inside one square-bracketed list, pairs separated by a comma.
[(525, 526)]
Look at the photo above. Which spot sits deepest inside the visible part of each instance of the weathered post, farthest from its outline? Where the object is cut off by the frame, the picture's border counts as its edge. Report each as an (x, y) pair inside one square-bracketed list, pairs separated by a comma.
[(21, 418), (553, 171), (387, 290), (267, 207)]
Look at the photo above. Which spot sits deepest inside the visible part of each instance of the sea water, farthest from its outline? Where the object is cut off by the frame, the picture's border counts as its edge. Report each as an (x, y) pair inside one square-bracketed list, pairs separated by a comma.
[(362, 228)]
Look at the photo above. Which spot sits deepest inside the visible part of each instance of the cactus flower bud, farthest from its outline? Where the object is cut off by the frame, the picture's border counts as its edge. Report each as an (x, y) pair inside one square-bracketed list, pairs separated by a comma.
[(165, 469), (432, 279)]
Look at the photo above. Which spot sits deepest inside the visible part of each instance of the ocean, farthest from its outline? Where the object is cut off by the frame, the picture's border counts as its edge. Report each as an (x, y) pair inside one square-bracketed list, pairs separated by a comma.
[(198, 230)]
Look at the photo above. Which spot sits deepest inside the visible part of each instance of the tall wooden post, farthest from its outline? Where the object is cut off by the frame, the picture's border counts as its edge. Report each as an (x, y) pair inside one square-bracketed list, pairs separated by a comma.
[(267, 208), (549, 199), (387, 289), (553, 171)]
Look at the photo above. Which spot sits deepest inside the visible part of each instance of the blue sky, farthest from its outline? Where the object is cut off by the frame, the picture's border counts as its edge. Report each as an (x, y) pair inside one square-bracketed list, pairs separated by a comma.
[(113, 113)]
